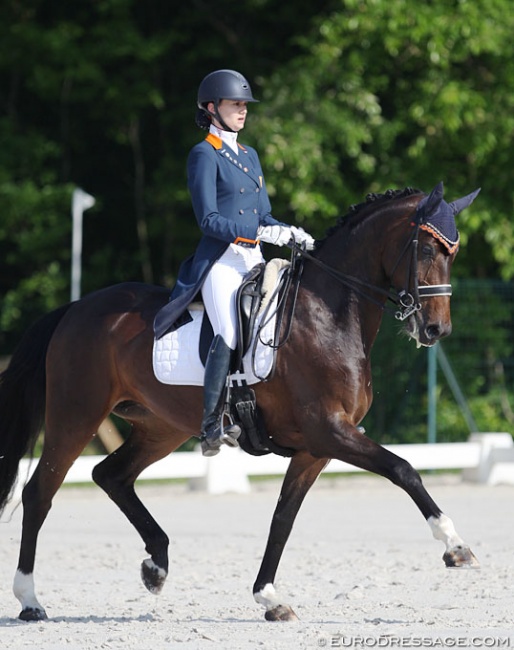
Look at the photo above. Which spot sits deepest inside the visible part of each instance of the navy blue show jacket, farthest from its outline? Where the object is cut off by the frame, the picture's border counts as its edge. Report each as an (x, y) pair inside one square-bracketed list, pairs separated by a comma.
[(230, 202)]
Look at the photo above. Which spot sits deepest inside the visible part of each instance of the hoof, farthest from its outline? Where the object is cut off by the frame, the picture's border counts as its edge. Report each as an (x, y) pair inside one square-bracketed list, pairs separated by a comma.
[(461, 556), (153, 576), (32, 614), (281, 613)]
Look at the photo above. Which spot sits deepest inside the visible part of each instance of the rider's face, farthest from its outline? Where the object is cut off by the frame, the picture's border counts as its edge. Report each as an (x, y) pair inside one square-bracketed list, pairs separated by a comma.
[(233, 113)]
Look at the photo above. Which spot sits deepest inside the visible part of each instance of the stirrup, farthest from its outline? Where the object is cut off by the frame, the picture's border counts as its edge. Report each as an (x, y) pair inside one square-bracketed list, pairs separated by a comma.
[(230, 434), (211, 444)]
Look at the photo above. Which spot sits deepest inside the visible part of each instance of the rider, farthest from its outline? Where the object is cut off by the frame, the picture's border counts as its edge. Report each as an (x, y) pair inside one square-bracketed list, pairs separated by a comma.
[(233, 211)]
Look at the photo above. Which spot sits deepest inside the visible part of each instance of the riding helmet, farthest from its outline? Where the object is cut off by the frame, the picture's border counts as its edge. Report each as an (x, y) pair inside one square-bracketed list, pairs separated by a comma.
[(224, 84)]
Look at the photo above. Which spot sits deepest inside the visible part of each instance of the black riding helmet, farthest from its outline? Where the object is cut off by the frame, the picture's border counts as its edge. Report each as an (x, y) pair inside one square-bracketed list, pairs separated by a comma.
[(218, 85)]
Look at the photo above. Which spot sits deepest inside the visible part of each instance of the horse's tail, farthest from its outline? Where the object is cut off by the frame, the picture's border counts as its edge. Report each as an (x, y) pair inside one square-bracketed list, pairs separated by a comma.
[(22, 398)]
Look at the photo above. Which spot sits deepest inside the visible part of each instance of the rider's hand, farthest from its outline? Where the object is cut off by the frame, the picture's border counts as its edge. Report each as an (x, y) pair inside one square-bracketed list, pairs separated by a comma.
[(278, 235), (300, 237)]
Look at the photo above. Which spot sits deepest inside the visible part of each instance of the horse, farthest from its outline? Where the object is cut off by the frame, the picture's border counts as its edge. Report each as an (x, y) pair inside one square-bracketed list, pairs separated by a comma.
[(92, 357)]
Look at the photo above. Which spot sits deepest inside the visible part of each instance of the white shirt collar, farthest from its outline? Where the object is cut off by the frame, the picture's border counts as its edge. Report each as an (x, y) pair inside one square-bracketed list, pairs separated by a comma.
[(229, 138)]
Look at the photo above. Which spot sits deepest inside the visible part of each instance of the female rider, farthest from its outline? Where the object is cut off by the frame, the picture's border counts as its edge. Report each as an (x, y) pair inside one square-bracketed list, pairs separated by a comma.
[(233, 211)]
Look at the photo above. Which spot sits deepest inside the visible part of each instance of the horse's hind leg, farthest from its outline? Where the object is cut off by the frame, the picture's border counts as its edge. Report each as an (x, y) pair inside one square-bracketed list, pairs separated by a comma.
[(117, 474), (302, 472), (37, 501)]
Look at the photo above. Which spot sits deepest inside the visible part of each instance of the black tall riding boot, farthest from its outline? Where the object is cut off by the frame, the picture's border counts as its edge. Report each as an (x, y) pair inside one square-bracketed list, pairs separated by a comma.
[(217, 368)]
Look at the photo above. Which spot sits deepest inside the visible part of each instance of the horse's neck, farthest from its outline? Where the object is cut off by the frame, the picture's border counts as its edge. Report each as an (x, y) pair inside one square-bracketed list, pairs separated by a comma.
[(334, 319), (357, 310)]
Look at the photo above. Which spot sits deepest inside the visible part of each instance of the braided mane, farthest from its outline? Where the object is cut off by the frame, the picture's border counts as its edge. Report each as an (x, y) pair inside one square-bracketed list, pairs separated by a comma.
[(371, 198)]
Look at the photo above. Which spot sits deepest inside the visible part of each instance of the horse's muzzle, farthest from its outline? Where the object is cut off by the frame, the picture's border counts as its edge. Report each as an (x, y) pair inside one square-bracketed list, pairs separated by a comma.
[(427, 334)]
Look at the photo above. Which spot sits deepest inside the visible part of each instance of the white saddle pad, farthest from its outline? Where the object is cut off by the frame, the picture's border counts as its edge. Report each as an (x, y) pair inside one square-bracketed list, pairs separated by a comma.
[(176, 357)]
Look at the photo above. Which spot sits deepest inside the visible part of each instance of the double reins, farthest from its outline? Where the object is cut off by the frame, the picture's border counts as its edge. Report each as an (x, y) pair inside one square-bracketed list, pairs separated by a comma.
[(407, 300)]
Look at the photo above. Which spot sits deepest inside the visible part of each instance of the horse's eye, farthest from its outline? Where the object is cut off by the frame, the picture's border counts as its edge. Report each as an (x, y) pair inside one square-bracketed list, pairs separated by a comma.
[(428, 250)]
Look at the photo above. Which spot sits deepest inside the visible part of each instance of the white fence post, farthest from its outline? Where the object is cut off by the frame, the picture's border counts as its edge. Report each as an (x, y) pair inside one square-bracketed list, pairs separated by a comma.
[(496, 462), (224, 473)]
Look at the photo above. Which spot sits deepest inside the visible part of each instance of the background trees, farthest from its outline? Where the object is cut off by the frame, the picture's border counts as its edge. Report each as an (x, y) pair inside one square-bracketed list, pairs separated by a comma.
[(357, 96)]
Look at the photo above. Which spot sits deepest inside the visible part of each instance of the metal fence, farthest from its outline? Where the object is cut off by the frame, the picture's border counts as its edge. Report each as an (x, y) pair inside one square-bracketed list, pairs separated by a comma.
[(474, 384)]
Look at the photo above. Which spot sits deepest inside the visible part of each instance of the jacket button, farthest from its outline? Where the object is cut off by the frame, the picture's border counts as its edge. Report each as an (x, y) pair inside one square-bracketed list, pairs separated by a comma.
[(258, 189), (242, 190), (255, 210), (241, 211)]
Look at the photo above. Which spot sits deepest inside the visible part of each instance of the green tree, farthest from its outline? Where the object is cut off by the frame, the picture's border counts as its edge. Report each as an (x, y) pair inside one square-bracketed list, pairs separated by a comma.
[(394, 93), (102, 95)]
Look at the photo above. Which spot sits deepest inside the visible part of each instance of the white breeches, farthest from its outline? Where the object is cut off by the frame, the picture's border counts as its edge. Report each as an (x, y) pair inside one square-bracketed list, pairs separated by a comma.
[(220, 287)]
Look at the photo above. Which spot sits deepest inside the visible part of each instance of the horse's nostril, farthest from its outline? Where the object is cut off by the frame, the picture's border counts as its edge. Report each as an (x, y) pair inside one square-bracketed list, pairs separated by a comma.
[(433, 332), (437, 331)]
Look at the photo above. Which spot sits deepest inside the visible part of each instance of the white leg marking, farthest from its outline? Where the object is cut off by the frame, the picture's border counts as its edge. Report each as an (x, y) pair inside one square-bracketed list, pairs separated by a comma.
[(23, 588), (444, 530), (153, 567), (267, 596)]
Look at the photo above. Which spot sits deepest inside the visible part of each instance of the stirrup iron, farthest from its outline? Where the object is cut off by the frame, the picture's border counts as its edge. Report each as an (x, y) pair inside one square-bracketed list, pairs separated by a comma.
[(228, 436)]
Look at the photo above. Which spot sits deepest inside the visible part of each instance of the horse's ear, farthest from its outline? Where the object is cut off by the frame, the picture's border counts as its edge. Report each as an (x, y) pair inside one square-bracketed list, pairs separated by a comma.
[(459, 205), (434, 199)]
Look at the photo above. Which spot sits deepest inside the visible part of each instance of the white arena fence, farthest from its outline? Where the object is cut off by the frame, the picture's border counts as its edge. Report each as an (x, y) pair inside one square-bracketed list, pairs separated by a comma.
[(486, 458)]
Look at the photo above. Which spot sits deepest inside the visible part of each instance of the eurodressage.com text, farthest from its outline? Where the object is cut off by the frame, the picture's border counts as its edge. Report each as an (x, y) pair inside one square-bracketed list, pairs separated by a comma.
[(340, 641)]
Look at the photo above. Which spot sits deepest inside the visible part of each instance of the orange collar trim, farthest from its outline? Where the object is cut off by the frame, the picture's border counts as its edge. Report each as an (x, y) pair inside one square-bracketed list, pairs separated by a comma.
[(216, 141)]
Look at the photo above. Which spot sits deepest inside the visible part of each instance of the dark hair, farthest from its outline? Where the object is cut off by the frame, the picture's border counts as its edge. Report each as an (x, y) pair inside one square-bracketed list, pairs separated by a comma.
[(202, 119)]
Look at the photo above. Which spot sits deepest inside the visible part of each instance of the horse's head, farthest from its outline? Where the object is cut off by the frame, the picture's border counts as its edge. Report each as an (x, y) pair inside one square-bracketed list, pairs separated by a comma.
[(421, 275)]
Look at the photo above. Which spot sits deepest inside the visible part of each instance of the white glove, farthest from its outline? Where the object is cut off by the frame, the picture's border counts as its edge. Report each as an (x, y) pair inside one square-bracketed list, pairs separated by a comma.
[(278, 235), (300, 236)]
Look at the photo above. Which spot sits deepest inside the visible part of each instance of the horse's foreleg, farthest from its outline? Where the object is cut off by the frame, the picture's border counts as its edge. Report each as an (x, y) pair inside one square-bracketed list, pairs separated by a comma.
[(457, 554), (116, 475), (400, 472), (357, 449), (303, 470)]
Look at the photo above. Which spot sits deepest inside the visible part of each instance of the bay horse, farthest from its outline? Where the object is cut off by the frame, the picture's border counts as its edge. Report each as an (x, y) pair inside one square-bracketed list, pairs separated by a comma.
[(93, 357)]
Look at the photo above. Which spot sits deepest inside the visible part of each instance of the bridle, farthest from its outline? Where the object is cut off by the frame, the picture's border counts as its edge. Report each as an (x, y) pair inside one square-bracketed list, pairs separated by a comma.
[(408, 299)]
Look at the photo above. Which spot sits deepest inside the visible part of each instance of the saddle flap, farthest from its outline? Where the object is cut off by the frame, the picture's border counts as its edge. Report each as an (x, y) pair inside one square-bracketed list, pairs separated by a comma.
[(248, 300)]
